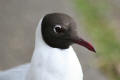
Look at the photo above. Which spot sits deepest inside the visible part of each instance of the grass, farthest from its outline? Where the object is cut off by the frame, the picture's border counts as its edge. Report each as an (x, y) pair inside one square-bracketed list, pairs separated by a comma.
[(107, 45)]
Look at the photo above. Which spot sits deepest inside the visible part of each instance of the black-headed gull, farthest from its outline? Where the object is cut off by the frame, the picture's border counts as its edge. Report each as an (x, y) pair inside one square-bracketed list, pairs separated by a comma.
[(53, 57)]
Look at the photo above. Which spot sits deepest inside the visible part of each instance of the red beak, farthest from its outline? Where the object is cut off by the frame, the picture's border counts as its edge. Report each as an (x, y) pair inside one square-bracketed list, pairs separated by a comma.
[(84, 43)]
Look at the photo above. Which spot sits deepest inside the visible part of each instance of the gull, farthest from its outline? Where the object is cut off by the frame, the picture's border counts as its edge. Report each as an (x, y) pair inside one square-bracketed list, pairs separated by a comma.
[(53, 57)]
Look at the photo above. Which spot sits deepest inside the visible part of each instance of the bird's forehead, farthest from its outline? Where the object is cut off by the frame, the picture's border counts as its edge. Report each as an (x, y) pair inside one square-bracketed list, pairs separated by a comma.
[(58, 18)]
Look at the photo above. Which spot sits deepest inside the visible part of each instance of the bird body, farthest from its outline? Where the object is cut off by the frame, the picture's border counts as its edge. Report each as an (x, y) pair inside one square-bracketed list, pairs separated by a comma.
[(55, 65)]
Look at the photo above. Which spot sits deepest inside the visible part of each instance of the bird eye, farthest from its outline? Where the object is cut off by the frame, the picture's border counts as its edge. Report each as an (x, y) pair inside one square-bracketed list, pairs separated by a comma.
[(58, 29)]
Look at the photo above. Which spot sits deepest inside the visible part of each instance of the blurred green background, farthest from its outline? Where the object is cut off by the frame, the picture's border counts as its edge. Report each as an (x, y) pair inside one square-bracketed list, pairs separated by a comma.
[(101, 19)]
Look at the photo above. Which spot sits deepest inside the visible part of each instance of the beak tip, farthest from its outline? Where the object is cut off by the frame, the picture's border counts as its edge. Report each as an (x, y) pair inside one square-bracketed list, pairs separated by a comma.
[(93, 50)]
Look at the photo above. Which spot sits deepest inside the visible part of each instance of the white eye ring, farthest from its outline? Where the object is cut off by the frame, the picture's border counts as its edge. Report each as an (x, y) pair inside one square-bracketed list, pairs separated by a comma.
[(57, 27)]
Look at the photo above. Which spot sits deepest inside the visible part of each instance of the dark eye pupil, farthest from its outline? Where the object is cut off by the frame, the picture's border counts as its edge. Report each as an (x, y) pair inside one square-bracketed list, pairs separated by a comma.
[(58, 29)]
